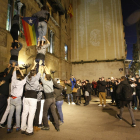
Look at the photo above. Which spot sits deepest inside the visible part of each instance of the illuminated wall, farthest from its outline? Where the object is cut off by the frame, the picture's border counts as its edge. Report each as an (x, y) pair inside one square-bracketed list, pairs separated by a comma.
[(97, 30)]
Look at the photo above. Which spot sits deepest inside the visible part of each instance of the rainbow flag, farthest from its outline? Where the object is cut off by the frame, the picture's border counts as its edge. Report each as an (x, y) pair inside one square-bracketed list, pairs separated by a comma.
[(30, 25)]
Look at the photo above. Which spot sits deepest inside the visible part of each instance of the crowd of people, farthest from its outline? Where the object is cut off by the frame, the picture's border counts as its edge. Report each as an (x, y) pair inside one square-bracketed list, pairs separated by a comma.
[(30, 101)]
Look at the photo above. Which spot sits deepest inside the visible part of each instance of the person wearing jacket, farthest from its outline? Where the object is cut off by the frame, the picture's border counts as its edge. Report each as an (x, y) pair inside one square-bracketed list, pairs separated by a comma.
[(88, 91), (94, 86), (59, 100), (30, 101), (49, 100), (15, 99), (15, 28), (78, 85), (14, 53), (122, 88), (138, 90), (73, 82), (43, 17), (68, 85), (112, 91), (102, 94), (4, 88), (134, 101)]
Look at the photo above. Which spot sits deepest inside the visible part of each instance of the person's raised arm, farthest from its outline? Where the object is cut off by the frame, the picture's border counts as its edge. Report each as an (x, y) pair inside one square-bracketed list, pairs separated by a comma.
[(48, 42), (11, 71), (2, 82), (14, 77), (20, 46), (74, 80), (47, 13), (7, 68), (34, 65), (41, 69), (20, 71), (57, 85), (46, 70)]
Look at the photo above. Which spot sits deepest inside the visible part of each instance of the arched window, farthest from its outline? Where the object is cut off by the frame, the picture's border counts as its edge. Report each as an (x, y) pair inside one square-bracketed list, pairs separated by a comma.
[(9, 14), (66, 52), (11, 11), (51, 36)]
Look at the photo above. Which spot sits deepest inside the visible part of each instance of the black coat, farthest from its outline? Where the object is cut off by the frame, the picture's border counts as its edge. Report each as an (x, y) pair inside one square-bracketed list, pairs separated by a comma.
[(102, 86), (58, 91), (88, 88), (119, 90), (4, 89), (78, 93)]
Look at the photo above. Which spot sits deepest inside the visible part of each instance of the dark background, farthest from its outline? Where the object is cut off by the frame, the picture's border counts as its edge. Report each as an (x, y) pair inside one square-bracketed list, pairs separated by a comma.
[(128, 7)]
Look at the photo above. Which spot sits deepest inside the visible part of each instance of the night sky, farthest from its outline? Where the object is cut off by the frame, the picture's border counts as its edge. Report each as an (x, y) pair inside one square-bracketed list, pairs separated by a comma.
[(128, 7)]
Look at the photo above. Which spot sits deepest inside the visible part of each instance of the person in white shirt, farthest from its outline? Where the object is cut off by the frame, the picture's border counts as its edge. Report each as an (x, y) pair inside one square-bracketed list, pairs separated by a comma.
[(30, 101), (15, 99)]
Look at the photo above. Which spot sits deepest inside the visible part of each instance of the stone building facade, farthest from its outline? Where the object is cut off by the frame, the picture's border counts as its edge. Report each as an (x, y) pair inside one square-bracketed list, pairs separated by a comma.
[(58, 24), (89, 45), (98, 45)]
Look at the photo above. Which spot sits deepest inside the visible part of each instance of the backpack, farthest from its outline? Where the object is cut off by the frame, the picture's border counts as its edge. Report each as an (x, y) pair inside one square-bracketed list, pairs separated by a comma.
[(127, 93)]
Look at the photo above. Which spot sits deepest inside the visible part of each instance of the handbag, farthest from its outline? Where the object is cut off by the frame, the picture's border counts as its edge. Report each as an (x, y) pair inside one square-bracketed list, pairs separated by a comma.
[(74, 89)]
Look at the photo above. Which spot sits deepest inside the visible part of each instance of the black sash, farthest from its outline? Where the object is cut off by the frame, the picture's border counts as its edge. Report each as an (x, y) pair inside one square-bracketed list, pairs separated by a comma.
[(14, 57)]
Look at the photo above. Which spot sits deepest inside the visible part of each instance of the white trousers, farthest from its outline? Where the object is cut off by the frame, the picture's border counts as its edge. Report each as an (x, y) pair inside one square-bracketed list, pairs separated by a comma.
[(29, 107), (6, 112), (41, 111)]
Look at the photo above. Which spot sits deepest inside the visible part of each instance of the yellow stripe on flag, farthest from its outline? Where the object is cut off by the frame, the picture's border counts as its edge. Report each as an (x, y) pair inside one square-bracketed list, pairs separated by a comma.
[(31, 35), (34, 35)]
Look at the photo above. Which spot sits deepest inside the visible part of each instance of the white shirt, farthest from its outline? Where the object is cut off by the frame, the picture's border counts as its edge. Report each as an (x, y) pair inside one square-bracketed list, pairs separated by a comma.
[(17, 86)]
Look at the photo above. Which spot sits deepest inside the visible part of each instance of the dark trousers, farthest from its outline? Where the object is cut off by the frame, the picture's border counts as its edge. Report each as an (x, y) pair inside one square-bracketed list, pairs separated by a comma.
[(138, 94), (3, 105), (74, 97), (37, 65), (78, 99), (135, 100), (14, 32), (87, 100), (36, 119), (128, 103), (112, 96), (50, 104), (95, 91), (108, 92)]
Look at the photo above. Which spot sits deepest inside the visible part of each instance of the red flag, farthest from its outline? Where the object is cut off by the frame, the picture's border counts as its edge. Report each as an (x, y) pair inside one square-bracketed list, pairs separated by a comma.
[(70, 11)]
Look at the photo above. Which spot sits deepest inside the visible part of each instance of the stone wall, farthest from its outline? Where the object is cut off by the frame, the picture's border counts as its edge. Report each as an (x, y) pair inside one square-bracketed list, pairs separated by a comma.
[(97, 30), (55, 61), (90, 71)]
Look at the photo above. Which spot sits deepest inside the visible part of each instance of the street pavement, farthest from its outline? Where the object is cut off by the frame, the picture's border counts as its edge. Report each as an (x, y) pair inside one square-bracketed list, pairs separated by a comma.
[(86, 123)]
